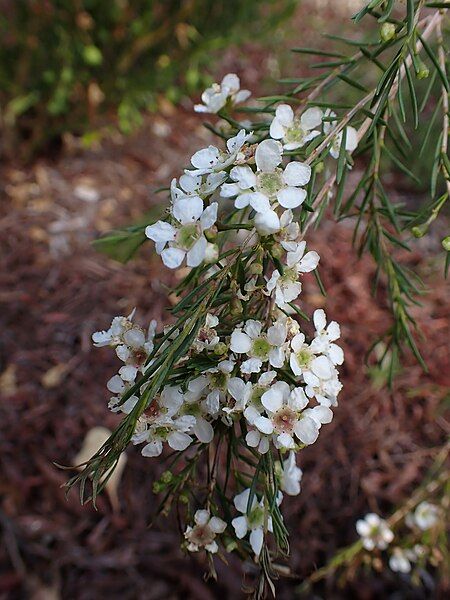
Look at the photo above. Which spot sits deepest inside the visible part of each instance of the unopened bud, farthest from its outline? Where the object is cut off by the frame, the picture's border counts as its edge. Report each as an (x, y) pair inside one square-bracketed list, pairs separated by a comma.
[(157, 487), (236, 307), (422, 71), (319, 167), (446, 243), (166, 477), (419, 230), (277, 251), (387, 31), (256, 268), (211, 233), (184, 499)]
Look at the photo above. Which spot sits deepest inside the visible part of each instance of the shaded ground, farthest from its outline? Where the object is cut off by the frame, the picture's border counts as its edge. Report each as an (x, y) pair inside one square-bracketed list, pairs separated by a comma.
[(55, 290)]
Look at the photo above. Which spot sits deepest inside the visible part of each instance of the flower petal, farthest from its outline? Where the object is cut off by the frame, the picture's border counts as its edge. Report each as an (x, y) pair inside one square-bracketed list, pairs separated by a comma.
[(173, 257), (240, 342), (297, 173), (178, 440), (291, 197), (188, 209), (268, 155), (196, 254), (256, 540), (240, 527), (161, 232)]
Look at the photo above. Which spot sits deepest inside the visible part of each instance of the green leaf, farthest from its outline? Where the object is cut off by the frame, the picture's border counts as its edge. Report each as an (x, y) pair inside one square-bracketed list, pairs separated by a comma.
[(352, 82), (410, 14), (342, 159), (316, 52), (412, 93), (120, 245)]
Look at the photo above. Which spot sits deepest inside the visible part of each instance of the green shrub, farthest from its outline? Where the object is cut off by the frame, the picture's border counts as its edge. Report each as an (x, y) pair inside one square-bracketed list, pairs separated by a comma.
[(64, 63)]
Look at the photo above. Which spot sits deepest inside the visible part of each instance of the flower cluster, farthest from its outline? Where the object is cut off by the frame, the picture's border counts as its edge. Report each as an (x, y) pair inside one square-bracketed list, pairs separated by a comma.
[(376, 535), (239, 376)]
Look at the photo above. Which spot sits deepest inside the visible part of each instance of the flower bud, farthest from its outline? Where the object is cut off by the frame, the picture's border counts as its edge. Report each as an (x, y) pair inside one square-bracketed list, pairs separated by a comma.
[(277, 251), (419, 230), (446, 243), (211, 233), (236, 307), (166, 477), (157, 487), (319, 167), (256, 268), (422, 71), (387, 32)]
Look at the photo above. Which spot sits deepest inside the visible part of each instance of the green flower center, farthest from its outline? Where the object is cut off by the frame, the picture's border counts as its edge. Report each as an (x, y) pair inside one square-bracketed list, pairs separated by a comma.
[(258, 391), (218, 381), (161, 432), (295, 133), (260, 349), (289, 276), (188, 235), (256, 517), (304, 358), (270, 183), (191, 408)]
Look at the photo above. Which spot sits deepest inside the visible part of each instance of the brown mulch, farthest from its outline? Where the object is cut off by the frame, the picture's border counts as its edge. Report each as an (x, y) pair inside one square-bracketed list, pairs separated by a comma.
[(55, 290)]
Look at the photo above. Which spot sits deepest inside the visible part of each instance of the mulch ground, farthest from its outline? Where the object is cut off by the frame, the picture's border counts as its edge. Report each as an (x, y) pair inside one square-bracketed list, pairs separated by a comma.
[(55, 290)]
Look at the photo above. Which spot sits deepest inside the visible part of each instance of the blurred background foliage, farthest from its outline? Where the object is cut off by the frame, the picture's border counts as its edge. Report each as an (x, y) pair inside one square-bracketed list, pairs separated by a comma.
[(65, 63)]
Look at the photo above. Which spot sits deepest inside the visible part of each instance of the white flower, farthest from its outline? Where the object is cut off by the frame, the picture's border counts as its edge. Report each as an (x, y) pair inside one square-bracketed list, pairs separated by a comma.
[(399, 561), (253, 410), (291, 476), (186, 237), (213, 160), (287, 287), (303, 360), (259, 346), (240, 393), (426, 515), (270, 183), (196, 185), (294, 131), (212, 386), (114, 335), (215, 97), (325, 336), (325, 391), (200, 410), (207, 336), (287, 417), (203, 533), (289, 231), (251, 520), (374, 532), (351, 136), (160, 423)]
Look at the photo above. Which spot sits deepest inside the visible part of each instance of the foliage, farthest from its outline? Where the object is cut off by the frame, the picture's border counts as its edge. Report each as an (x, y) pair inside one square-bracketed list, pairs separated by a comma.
[(239, 216), (63, 63)]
